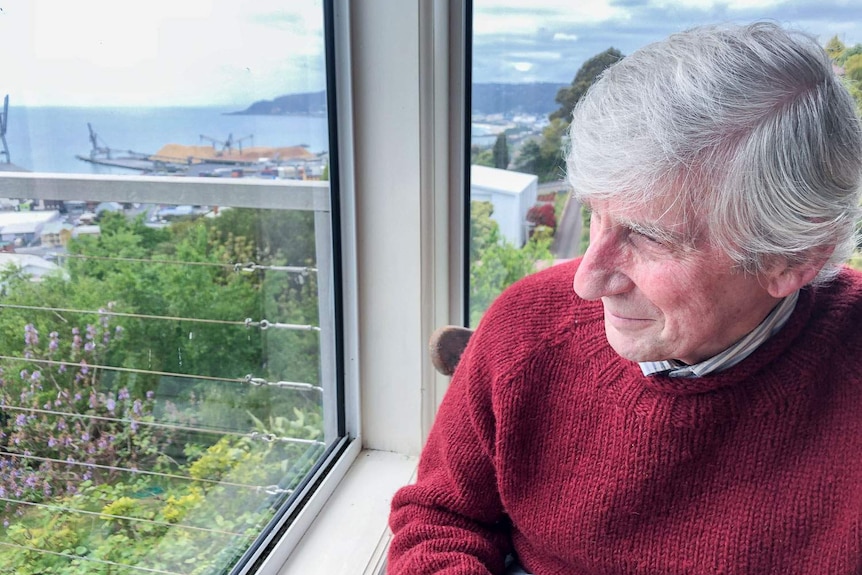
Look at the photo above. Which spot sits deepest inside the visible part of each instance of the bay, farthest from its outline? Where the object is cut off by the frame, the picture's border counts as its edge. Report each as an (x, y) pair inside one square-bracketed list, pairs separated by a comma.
[(48, 139)]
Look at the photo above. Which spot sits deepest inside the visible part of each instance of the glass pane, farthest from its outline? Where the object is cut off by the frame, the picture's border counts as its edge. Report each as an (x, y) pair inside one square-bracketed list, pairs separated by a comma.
[(167, 326), (531, 62)]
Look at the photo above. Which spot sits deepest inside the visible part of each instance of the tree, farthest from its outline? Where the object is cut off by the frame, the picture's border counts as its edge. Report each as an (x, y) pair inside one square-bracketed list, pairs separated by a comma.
[(542, 215), (494, 263), (481, 156), (850, 58), (501, 152), (568, 96), (853, 68), (835, 47), (545, 157)]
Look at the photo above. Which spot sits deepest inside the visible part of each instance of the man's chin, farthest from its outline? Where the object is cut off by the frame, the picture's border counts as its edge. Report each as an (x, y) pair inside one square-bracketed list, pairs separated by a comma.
[(628, 348)]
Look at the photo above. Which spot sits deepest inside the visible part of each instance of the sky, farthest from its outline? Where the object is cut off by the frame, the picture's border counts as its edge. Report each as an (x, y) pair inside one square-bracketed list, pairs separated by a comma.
[(232, 53), (548, 40), (159, 52)]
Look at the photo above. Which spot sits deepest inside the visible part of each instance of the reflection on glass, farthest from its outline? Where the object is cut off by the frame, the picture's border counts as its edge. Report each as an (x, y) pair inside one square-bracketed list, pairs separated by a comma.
[(165, 351)]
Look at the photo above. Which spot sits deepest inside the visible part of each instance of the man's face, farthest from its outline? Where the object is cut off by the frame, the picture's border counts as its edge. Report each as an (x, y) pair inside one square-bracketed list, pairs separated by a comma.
[(666, 293)]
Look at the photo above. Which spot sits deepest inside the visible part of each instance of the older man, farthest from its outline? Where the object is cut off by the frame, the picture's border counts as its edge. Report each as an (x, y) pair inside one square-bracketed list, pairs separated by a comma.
[(686, 398)]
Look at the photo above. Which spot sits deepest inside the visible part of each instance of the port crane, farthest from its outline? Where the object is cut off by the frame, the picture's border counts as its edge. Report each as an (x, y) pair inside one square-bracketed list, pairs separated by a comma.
[(227, 145), (3, 123), (95, 149)]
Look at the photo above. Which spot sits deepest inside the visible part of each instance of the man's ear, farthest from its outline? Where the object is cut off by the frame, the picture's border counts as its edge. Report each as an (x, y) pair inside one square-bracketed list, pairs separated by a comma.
[(785, 278)]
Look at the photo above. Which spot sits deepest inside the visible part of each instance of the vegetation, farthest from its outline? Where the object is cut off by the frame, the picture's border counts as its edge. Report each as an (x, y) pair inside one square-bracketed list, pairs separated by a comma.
[(500, 152), (494, 263), (128, 432), (850, 59)]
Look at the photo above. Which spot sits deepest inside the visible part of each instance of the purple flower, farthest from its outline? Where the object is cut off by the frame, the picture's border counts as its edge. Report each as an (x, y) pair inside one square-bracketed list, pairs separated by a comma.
[(93, 401), (118, 330), (110, 404), (36, 376), (134, 425), (151, 394), (89, 347), (136, 407), (54, 344), (91, 331), (78, 396), (52, 442), (21, 420), (85, 369), (31, 336), (85, 436), (123, 394), (24, 374)]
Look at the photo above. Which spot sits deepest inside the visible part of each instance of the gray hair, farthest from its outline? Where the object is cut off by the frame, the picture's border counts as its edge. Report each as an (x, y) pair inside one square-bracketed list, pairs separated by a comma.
[(748, 125)]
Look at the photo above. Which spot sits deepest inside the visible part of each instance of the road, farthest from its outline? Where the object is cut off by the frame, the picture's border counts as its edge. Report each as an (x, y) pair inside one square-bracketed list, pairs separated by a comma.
[(568, 236)]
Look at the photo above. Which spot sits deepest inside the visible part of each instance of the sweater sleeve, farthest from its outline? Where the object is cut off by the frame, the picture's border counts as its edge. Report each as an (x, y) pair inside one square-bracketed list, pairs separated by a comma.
[(451, 521)]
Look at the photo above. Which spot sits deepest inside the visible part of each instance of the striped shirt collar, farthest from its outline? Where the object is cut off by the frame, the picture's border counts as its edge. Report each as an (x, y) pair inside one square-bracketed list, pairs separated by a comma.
[(732, 355)]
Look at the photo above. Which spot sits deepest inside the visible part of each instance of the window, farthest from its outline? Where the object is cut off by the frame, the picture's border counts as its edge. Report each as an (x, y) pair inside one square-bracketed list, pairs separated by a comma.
[(531, 61), (169, 263)]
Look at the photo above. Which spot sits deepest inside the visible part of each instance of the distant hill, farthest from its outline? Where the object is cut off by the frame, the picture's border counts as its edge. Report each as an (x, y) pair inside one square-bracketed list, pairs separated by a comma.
[(305, 104), (536, 98)]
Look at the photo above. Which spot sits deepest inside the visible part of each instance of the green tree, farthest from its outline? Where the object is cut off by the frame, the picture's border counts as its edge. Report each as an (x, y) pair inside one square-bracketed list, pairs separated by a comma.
[(835, 47), (496, 264), (481, 156), (545, 157), (568, 96), (501, 152), (853, 68)]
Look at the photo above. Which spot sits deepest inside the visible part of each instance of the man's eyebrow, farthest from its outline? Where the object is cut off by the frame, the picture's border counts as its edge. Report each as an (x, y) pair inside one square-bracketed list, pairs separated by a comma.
[(656, 232)]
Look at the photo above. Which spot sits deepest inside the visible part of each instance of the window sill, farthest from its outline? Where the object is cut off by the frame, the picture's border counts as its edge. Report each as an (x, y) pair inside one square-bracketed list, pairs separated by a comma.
[(350, 534)]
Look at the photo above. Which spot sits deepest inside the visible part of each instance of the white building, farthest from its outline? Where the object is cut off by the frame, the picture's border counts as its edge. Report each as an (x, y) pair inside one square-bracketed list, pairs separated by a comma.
[(29, 265), (25, 226), (511, 194)]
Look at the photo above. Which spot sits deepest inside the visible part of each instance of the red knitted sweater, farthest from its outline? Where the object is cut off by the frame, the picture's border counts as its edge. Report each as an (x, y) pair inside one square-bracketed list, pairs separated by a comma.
[(551, 446)]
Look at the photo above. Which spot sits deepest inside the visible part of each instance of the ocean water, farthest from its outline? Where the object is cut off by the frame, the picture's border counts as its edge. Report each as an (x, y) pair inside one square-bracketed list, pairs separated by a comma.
[(47, 139)]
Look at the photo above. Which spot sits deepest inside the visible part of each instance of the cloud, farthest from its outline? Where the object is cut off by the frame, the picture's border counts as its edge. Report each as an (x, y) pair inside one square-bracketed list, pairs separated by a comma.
[(626, 25)]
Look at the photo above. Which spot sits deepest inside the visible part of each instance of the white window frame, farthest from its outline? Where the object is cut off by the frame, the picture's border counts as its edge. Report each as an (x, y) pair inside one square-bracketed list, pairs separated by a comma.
[(400, 69)]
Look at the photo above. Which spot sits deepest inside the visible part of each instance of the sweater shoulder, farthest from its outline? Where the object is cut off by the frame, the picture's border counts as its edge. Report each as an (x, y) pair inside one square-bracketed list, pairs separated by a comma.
[(837, 306), (537, 310)]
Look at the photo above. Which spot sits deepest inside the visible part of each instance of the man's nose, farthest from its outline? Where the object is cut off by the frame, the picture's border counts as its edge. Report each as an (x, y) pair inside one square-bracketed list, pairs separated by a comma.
[(601, 271)]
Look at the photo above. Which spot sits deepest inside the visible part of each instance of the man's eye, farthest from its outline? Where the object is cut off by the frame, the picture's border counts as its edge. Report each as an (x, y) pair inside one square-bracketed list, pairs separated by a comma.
[(639, 235)]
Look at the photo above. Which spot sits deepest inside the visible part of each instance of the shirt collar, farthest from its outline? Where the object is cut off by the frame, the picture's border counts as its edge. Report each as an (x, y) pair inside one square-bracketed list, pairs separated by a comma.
[(732, 355)]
